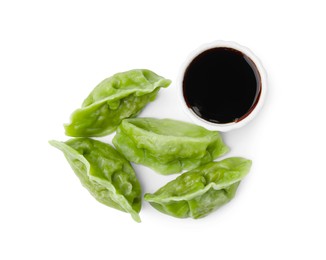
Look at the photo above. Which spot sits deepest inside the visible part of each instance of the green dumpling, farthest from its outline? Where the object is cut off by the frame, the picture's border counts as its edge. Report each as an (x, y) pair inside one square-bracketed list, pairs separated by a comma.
[(167, 146), (104, 172), (121, 96), (201, 191)]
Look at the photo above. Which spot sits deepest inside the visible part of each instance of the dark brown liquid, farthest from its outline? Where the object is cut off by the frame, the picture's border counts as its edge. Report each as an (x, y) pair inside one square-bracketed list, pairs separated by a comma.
[(222, 85)]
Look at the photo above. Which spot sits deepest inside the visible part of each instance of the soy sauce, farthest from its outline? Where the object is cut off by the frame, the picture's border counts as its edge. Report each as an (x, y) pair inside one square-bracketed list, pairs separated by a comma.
[(222, 85)]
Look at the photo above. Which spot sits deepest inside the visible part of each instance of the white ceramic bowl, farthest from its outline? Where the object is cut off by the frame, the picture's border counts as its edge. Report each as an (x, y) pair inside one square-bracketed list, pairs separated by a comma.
[(229, 126)]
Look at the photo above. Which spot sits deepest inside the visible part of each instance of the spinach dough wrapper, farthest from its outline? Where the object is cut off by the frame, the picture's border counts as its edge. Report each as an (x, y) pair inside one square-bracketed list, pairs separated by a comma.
[(104, 172), (167, 146), (201, 191), (121, 96)]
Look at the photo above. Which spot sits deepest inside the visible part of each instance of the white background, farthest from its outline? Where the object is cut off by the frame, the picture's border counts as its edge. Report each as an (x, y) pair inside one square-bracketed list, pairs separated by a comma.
[(52, 55)]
